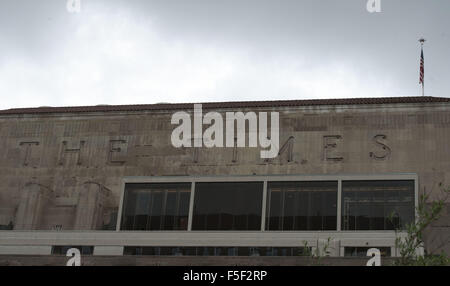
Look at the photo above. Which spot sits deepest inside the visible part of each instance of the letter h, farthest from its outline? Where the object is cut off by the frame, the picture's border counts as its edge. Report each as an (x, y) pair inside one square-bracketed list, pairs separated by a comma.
[(65, 150)]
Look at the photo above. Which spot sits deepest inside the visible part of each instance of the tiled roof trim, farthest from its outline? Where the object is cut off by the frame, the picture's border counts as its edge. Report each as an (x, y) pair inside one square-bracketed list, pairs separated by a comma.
[(231, 104)]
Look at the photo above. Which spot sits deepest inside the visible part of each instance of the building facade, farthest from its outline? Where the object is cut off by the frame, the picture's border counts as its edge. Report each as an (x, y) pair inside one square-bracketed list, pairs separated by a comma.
[(108, 180)]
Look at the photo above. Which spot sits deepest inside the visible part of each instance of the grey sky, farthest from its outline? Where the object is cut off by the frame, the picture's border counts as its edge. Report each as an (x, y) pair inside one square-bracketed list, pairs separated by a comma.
[(127, 52)]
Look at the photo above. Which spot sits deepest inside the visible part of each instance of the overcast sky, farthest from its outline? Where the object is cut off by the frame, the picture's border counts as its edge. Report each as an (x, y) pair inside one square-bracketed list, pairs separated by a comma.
[(132, 51)]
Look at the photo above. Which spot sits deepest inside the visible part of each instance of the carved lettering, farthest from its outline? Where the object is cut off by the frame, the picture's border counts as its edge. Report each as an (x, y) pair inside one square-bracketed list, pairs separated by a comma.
[(330, 144), (28, 150), (142, 150), (65, 150), (288, 148), (386, 150), (114, 148)]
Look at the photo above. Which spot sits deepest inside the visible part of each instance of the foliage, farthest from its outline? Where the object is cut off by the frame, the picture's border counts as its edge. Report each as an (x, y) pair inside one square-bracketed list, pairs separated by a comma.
[(410, 245), (317, 254)]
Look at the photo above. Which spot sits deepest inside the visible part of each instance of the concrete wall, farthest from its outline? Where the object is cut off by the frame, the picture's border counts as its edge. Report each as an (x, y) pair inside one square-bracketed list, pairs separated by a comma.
[(64, 171)]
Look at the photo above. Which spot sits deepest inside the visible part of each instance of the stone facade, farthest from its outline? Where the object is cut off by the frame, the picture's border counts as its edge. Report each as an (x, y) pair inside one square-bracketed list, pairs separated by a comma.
[(64, 170)]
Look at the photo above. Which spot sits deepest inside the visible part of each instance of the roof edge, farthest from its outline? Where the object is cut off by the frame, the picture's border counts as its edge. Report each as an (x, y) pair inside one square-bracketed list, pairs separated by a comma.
[(229, 104)]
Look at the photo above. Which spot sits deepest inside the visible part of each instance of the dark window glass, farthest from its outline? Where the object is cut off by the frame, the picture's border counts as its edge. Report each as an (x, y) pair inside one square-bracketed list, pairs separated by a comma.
[(362, 251), (377, 205), (215, 251), (275, 212), (111, 225), (148, 251), (166, 251), (243, 251), (141, 213), (183, 209), (9, 226), (62, 249), (171, 209), (205, 251), (228, 206), (189, 251), (156, 206), (301, 206)]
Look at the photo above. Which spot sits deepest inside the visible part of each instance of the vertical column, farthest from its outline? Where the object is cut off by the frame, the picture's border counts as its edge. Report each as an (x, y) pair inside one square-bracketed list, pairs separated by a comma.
[(264, 206), (416, 197), (34, 199), (90, 206), (191, 206), (121, 202), (339, 204)]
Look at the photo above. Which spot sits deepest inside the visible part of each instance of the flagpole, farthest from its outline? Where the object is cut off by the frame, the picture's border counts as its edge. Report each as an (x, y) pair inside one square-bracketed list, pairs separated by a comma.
[(422, 64), (423, 89)]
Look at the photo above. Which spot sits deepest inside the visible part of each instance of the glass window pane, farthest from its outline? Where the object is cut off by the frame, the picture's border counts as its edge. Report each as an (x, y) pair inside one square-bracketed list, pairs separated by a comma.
[(301, 206), (170, 210), (289, 209), (128, 212), (156, 206), (228, 206), (156, 210), (377, 205), (362, 251), (141, 212), (62, 250), (274, 208), (183, 206)]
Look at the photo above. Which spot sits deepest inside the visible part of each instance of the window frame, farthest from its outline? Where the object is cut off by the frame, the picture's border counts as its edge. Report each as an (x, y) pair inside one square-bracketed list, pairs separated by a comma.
[(298, 188), (164, 202), (365, 181), (265, 179)]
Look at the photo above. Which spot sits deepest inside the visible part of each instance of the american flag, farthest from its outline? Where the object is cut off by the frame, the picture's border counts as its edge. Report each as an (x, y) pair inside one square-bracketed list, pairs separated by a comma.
[(422, 68)]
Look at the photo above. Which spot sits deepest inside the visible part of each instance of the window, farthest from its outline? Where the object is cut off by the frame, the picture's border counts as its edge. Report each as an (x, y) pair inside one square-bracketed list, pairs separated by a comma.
[(377, 205), (215, 251), (301, 206), (62, 249), (111, 225), (289, 205), (9, 226), (362, 251), (228, 206), (159, 206)]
